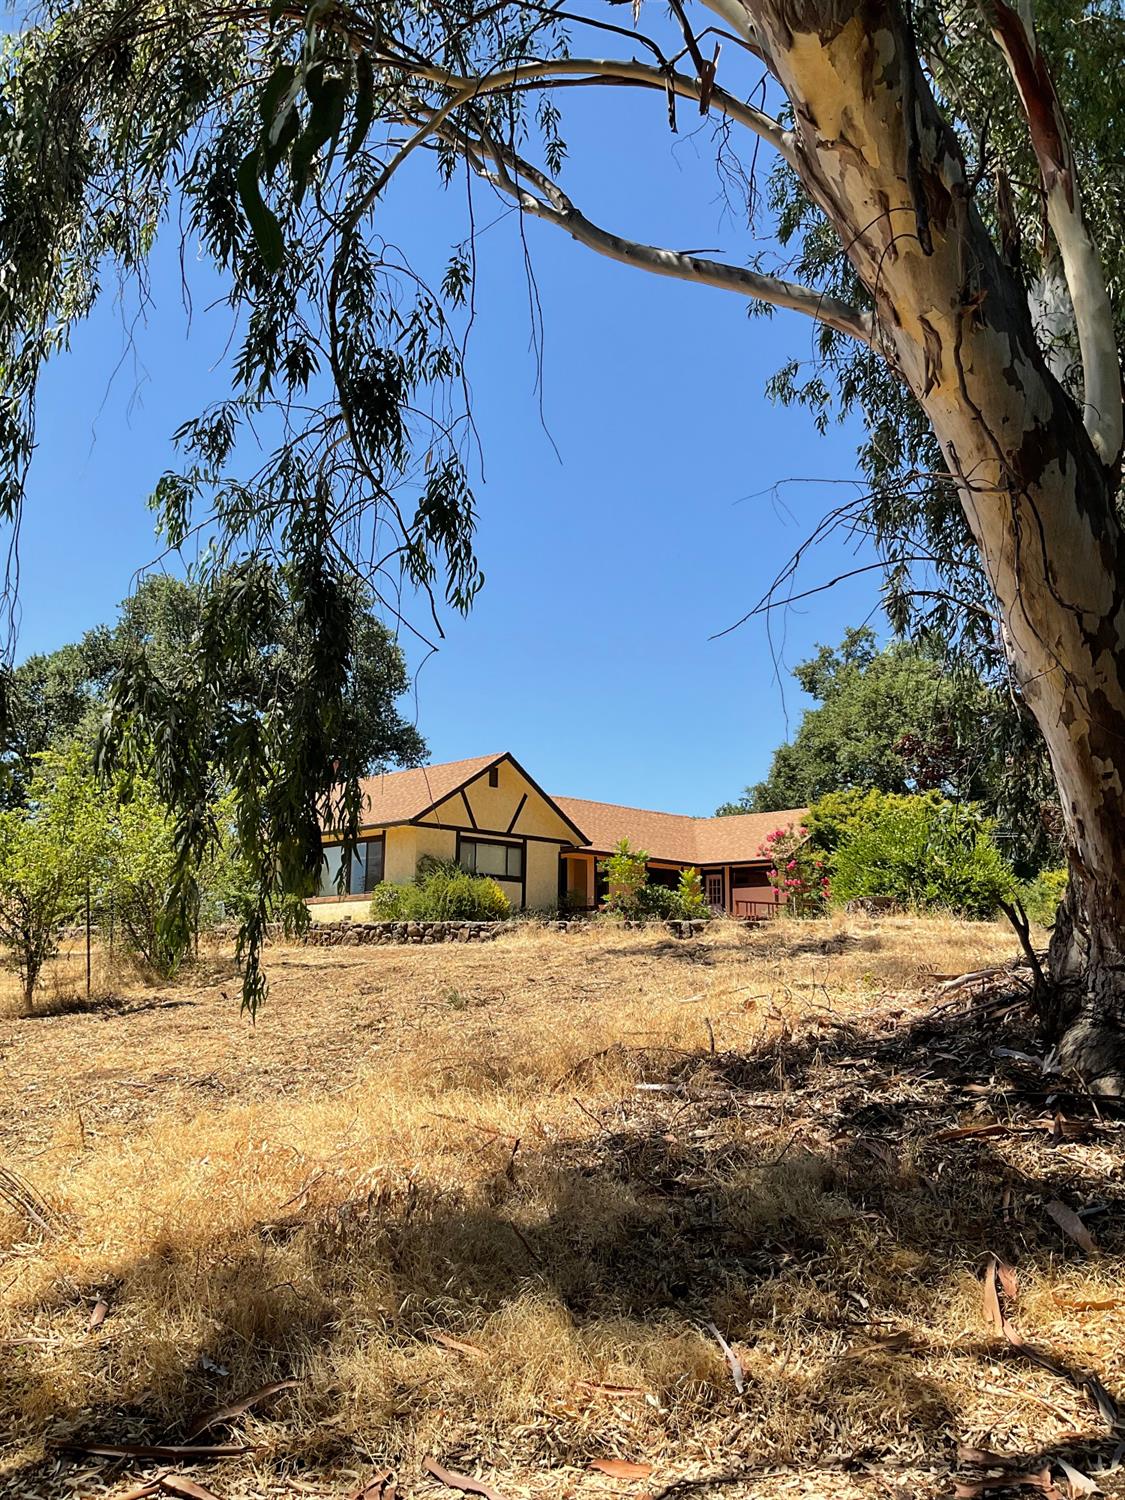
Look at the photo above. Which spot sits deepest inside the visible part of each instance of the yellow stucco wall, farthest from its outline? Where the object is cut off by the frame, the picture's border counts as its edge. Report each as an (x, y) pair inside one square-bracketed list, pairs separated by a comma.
[(400, 855), (438, 843), (494, 807), (542, 877), (335, 911)]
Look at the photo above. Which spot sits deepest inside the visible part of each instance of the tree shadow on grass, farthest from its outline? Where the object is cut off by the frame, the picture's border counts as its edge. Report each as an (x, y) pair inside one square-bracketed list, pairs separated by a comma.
[(103, 1005), (805, 1199)]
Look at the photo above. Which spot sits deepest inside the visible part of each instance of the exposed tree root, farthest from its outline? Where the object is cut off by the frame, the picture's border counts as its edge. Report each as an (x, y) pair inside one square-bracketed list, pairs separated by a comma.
[(1093, 1049)]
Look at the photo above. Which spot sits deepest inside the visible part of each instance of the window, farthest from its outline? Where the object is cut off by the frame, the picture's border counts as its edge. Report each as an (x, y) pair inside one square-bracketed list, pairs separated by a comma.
[(494, 776), (330, 871), (501, 861), (367, 866), (364, 874)]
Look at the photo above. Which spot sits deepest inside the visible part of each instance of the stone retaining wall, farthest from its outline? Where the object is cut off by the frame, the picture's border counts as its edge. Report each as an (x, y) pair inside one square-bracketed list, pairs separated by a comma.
[(676, 928), (355, 934), (358, 934)]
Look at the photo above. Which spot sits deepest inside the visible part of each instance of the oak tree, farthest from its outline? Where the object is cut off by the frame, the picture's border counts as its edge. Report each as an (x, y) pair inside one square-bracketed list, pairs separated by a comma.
[(62, 695)]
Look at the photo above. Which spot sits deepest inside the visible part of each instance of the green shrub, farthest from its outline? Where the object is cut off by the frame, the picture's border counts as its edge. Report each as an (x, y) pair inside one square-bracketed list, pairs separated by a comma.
[(837, 814), (632, 894), (671, 903), (691, 902), (440, 892), (626, 873), (1043, 895), (648, 900), (922, 852), (388, 902), (452, 895)]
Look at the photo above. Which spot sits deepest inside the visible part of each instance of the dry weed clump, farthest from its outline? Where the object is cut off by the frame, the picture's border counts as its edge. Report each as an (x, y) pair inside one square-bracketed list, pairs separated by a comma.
[(496, 1205)]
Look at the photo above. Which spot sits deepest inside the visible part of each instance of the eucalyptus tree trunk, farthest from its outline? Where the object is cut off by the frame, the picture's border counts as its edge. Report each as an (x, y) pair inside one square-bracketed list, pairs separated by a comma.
[(1034, 471)]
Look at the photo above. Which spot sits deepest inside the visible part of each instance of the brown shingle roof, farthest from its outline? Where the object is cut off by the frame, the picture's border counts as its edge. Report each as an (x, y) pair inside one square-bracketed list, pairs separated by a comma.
[(739, 836), (398, 796), (675, 836)]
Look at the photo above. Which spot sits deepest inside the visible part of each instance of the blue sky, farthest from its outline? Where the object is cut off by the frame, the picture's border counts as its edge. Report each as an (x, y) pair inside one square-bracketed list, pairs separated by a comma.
[(610, 563)]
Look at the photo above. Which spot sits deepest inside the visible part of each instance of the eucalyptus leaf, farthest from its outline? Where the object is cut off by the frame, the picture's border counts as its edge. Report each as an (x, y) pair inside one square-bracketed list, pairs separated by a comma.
[(263, 221), (328, 98), (364, 104)]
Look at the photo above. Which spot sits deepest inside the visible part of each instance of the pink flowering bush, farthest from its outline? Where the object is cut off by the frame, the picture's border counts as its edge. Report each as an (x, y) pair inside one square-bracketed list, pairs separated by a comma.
[(797, 873)]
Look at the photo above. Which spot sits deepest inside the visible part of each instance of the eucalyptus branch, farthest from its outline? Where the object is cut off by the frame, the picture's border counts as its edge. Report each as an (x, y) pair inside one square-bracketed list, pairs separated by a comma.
[(1014, 32), (614, 70), (737, 16), (553, 206)]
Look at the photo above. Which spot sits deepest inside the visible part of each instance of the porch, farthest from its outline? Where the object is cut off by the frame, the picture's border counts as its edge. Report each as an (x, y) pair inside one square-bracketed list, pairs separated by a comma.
[(742, 891)]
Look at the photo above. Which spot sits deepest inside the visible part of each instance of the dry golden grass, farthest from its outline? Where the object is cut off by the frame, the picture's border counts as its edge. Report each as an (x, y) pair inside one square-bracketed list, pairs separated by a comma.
[(571, 1154)]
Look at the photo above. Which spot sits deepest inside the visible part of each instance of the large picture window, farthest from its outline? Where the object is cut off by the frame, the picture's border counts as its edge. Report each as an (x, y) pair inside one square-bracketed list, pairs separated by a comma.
[(501, 861), (364, 872)]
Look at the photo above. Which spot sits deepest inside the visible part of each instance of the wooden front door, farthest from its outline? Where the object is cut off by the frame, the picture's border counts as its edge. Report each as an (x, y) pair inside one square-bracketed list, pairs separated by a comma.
[(713, 890)]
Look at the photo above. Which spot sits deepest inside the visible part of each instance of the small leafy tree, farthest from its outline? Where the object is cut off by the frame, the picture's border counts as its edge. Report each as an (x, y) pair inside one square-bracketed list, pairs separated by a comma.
[(37, 895), (158, 919), (798, 873), (141, 878), (51, 851)]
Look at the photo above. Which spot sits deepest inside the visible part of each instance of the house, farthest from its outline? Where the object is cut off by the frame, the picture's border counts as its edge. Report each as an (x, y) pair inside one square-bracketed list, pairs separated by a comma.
[(491, 817)]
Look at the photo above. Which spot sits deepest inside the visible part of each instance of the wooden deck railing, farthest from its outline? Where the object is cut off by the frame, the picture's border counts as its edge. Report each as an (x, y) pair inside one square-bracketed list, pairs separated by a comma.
[(756, 911)]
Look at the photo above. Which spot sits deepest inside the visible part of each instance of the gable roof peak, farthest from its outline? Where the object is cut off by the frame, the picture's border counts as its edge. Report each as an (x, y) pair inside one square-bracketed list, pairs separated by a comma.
[(408, 795)]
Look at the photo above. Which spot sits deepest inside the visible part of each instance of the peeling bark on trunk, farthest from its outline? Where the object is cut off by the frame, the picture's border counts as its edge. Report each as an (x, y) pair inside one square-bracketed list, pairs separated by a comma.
[(874, 152)]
